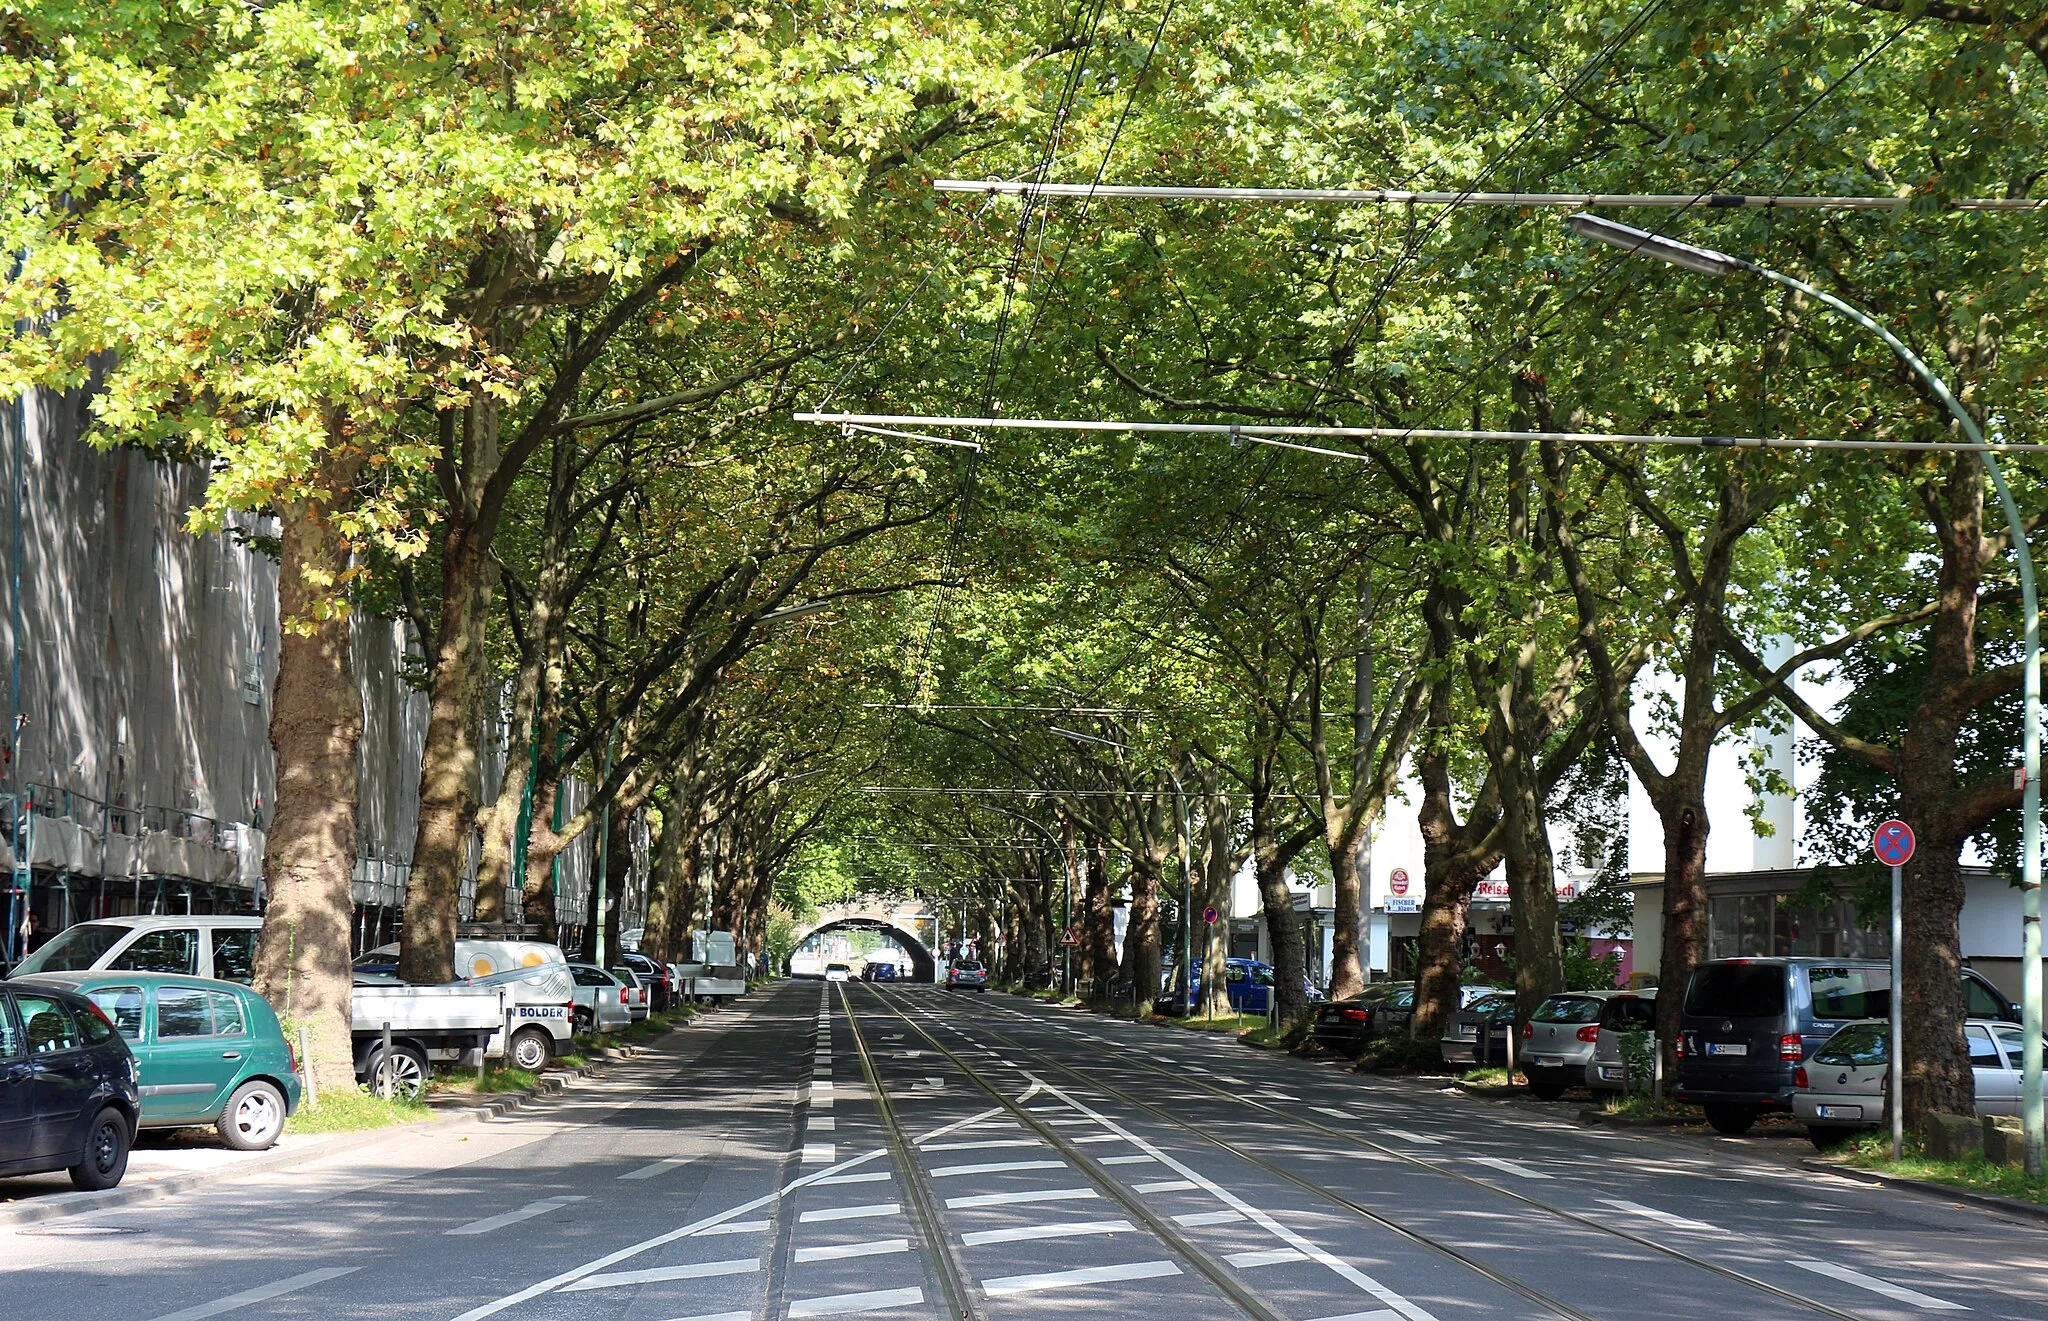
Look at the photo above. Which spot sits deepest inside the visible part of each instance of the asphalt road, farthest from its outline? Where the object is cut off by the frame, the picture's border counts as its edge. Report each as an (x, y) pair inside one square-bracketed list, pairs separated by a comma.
[(900, 1152)]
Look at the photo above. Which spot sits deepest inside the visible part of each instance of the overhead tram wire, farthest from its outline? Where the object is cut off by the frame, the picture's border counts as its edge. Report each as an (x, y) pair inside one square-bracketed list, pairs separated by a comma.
[(1399, 197)]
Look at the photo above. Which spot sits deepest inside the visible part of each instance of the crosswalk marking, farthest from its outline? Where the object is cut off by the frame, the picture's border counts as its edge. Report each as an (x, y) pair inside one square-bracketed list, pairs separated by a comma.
[(1264, 1257), (1139, 1270), (838, 1251), (990, 1144), (1027, 1233), (997, 1167), (819, 1153), (838, 1304), (1197, 1219), (1014, 1199), (1163, 1186), (849, 1213), (1129, 1160)]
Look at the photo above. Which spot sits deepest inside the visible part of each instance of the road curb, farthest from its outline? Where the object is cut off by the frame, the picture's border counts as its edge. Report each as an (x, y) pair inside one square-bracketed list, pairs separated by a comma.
[(1927, 1188), (59, 1206)]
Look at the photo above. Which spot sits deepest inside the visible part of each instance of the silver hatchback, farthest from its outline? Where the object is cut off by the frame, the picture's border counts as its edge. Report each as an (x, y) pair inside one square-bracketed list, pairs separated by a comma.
[(1842, 1085), (1634, 1011), (1558, 1041)]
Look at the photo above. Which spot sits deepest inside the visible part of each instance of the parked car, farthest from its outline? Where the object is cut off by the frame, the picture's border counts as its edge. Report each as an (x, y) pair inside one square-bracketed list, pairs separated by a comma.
[(879, 972), (1397, 1014), (1842, 1085), (838, 972), (220, 946), (967, 975), (536, 985), (1345, 1025), (599, 1004), (1625, 1012), (633, 991), (1248, 984), (1478, 1034), (657, 979), (1559, 1039), (211, 1053), (1747, 1024), (68, 1098)]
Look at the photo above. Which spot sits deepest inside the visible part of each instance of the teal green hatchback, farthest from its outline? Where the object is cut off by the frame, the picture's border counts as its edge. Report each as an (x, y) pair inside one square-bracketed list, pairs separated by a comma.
[(211, 1052)]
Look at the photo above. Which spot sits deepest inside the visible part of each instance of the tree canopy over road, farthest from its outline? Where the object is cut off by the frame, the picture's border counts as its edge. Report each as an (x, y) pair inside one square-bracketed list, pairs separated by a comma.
[(504, 310)]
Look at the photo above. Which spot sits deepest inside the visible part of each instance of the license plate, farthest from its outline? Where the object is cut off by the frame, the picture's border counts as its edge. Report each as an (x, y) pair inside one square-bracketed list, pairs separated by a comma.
[(1839, 1111), (1609, 1074), (1727, 1048), (1545, 1061)]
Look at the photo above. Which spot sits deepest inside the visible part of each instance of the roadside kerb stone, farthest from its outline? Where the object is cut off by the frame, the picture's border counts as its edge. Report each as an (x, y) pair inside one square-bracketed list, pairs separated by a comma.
[(59, 1206), (1951, 1137), (2005, 1141), (1928, 1188)]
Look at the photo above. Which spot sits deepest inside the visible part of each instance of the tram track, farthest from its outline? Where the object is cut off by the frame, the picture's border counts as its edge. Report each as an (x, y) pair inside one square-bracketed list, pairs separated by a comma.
[(1407, 1231)]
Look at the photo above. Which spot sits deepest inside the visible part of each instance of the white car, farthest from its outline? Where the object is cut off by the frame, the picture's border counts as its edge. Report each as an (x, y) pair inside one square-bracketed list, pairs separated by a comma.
[(1842, 1084), (838, 972)]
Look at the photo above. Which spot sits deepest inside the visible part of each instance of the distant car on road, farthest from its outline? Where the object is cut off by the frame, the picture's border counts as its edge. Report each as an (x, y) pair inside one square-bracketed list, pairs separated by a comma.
[(68, 1099), (1747, 1024), (211, 1053), (1842, 1084), (1477, 1035), (966, 974), (838, 972), (1247, 983), (879, 972)]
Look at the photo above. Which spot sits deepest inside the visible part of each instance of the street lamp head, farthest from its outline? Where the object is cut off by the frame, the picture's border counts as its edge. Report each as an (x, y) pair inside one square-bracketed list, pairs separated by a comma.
[(1599, 229)]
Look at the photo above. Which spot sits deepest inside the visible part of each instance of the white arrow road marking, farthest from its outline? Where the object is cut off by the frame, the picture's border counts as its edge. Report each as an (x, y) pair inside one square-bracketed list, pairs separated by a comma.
[(659, 1167), (696, 1270), (1897, 1292), (838, 1304), (1139, 1270), (261, 1294), (527, 1212)]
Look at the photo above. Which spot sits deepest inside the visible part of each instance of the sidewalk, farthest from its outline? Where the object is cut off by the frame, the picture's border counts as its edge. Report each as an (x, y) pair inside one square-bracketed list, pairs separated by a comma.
[(171, 1161)]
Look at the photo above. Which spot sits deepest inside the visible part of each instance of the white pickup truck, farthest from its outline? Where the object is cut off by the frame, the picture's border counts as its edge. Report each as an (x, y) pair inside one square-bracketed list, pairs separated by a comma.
[(423, 1024)]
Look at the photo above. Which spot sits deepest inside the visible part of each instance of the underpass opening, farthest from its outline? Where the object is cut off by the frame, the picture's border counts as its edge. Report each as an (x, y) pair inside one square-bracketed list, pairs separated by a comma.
[(815, 950)]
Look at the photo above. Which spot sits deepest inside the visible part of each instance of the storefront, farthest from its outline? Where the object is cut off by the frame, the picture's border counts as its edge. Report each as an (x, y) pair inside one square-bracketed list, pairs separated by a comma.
[(1395, 925)]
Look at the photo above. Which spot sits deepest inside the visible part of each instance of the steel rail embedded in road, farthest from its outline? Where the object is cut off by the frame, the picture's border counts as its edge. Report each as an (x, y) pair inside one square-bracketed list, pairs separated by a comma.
[(1165, 1230), (948, 1271), (1677, 1254)]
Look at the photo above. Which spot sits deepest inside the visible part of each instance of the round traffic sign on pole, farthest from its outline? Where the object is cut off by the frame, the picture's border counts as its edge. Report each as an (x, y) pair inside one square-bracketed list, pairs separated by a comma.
[(1893, 843), (1211, 916)]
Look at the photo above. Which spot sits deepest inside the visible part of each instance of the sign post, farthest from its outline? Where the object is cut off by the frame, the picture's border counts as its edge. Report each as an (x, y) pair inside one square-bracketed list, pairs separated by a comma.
[(1893, 844)]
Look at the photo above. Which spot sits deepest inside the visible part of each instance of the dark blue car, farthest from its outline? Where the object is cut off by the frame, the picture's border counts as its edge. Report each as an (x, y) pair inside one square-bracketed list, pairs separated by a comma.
[(1248, 983)]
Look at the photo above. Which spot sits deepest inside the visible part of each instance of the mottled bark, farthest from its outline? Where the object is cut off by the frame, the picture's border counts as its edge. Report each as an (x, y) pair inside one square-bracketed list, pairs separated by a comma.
[(1141, 962), (316, 722), (1220, 861), (1098, 928)]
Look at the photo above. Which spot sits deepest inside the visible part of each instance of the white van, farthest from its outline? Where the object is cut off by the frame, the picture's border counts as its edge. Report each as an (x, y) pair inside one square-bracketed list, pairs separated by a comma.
[(195, 945)]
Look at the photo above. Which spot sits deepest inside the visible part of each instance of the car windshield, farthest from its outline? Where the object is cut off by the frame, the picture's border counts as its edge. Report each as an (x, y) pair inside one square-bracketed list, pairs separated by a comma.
[(967, 965), (1492, 1004), (1737, 990), (76, 949), (1402, 999), (1858, 1045), (1568, 1009)]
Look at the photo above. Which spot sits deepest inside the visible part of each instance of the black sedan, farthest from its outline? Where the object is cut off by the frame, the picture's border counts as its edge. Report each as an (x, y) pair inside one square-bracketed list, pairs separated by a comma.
[(1344, 1025), (68, 1099)]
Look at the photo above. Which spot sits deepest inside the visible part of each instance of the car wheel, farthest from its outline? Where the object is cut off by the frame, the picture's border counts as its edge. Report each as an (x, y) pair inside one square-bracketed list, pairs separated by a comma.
[(1826, 1139), (106, 1152), (1546, 1091), (401, 1075), (580, 1020), (253, 1118), (1734, 1120), (532, 1049)]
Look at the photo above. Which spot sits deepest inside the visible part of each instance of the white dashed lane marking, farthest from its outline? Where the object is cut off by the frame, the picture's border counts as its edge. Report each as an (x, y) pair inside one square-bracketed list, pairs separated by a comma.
[(527, 1212), (1017, 1199), (849, 1213), (1509, 1167), (1028, 1233), (1264, 1257), (1896, 1292), (261, 1294), (659, 1167), (998, 1167), (1137, 1270), (696, 1270), (839, 1304), (837, 1251)]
